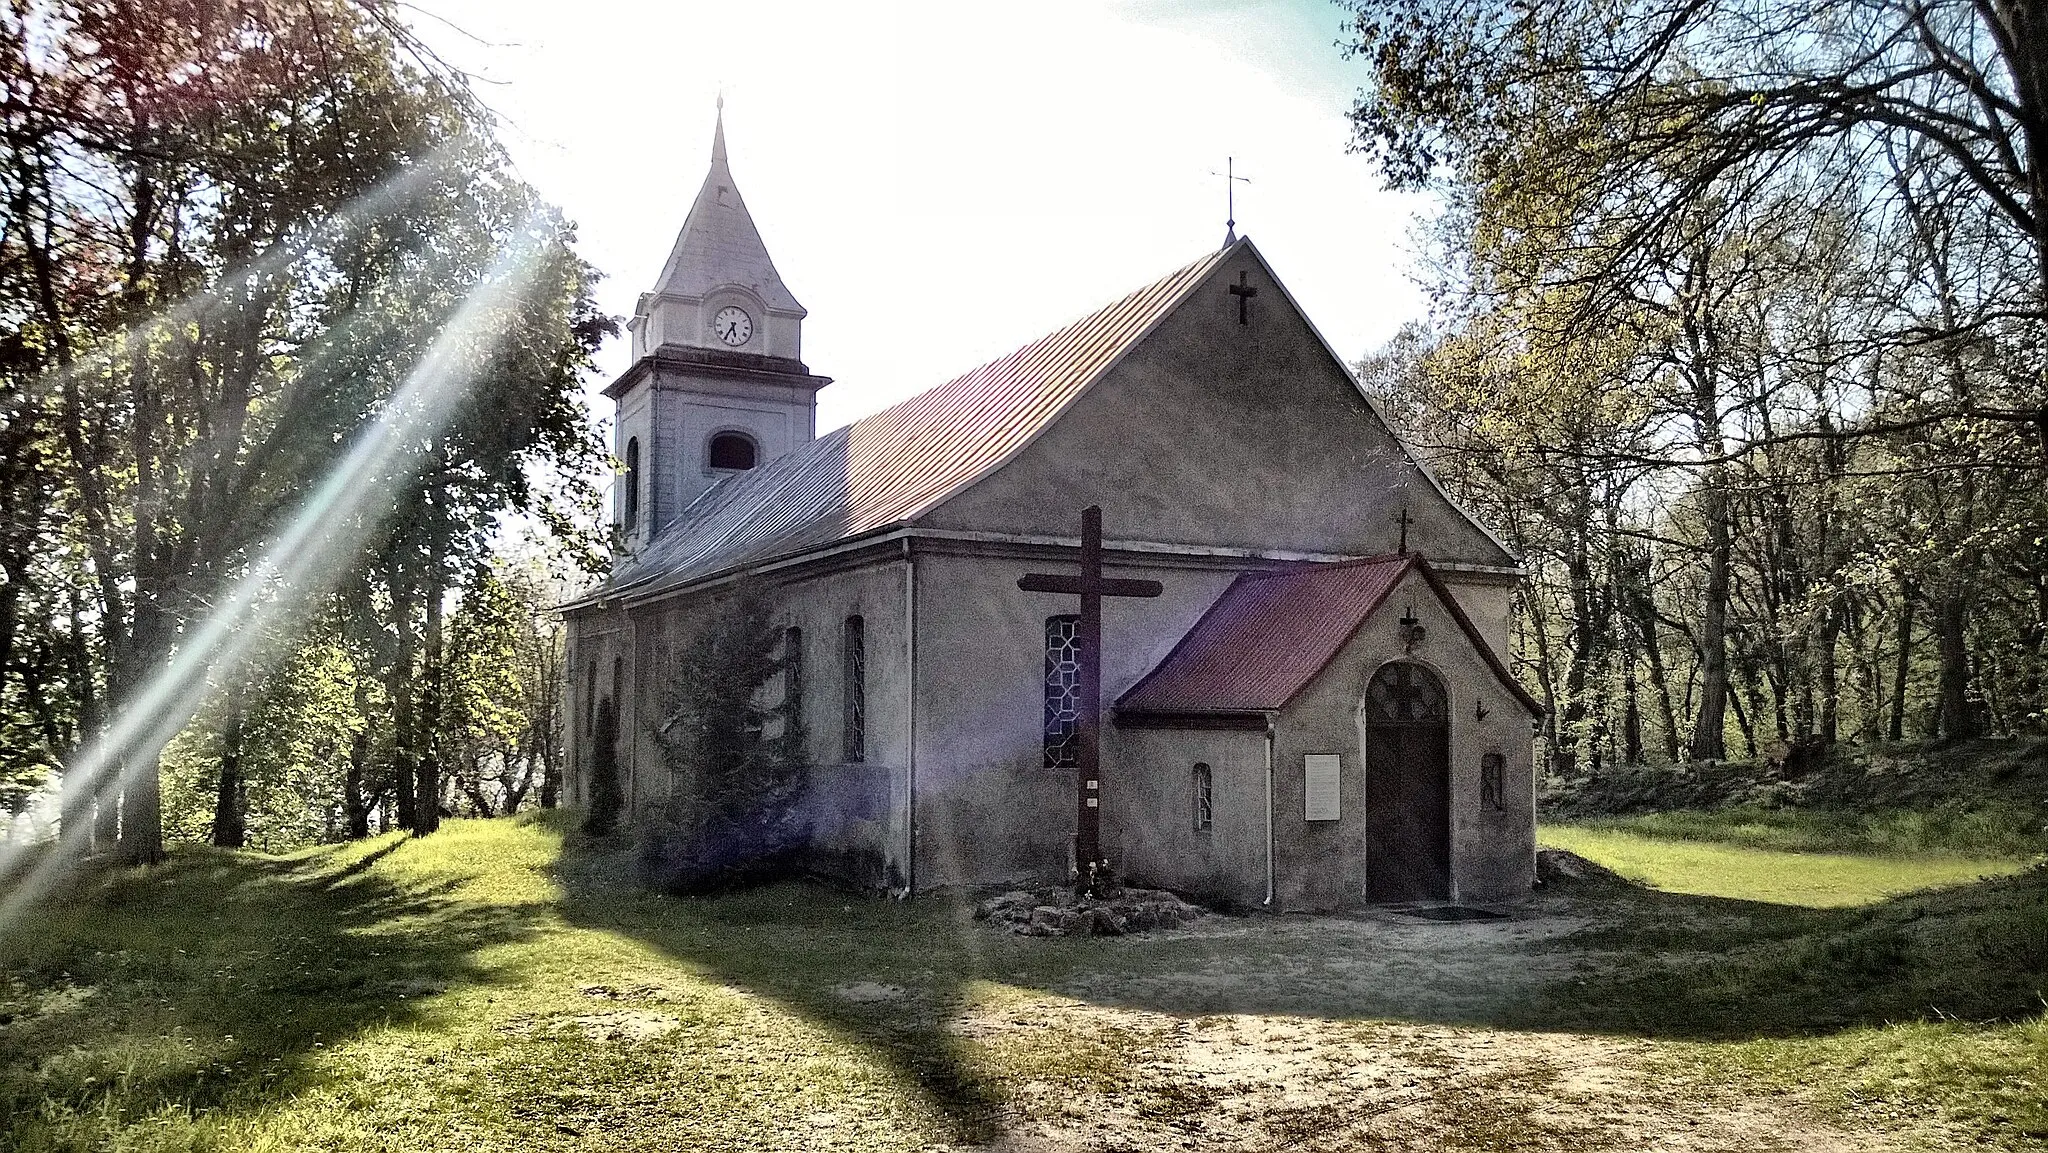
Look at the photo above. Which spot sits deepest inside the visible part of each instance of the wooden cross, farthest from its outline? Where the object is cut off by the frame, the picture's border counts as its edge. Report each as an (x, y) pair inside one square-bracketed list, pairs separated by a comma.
[(1404, 521), (1091, 587), (1244, 293)]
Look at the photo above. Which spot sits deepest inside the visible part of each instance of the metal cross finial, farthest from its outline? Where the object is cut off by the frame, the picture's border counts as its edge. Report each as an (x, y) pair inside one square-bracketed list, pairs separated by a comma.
[(1404, 520), (1230, 182)]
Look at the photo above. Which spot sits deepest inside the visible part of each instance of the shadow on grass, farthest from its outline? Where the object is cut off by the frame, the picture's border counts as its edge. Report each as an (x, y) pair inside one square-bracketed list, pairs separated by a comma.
[(884, 975), (217, 994), (1618, 960)]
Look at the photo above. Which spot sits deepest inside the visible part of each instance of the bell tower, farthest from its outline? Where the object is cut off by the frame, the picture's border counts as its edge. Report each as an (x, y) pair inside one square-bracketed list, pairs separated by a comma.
[(718, 385)]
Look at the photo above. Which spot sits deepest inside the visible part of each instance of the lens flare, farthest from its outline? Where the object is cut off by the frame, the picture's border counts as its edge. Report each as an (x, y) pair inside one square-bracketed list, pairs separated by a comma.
[(303, 561)]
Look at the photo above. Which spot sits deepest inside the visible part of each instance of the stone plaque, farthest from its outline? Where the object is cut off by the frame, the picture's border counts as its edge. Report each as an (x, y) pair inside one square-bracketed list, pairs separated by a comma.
[(1320, 771)]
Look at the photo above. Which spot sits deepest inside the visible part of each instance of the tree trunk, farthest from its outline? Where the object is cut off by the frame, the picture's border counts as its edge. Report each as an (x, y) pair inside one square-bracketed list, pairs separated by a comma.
[(356, 805), (399, 688), (1709, 734), (230, 829), (1902, 670), (427, 796), (1952, 647)]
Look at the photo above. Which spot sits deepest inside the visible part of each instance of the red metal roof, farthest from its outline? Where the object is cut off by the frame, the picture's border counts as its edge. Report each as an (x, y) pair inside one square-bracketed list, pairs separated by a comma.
[(1270, 633), (1265, 638), (894, 466)]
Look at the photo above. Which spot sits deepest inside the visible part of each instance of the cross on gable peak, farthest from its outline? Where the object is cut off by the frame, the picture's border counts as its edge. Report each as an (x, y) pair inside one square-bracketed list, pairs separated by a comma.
[(1244, 293)]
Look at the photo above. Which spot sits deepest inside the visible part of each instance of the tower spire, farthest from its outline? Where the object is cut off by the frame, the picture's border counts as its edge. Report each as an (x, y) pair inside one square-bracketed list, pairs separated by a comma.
[(718, 134)]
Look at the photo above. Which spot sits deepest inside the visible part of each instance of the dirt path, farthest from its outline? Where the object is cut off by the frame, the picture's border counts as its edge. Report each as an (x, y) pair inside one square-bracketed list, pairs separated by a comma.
[(1298, 1054)]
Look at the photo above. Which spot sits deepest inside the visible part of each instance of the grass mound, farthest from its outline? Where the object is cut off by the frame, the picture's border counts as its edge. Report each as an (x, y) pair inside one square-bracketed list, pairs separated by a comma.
[(1978, 798)]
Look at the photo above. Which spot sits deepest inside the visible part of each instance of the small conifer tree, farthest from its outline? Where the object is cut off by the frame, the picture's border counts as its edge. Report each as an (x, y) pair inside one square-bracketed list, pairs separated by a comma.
[(734, 749)]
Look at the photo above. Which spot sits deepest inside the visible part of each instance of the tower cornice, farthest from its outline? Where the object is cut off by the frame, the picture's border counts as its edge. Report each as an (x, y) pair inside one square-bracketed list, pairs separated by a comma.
[(754, 367)]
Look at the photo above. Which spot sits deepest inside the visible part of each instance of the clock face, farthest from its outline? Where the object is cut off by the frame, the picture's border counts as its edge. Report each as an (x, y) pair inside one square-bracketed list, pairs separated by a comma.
[(733, 326)]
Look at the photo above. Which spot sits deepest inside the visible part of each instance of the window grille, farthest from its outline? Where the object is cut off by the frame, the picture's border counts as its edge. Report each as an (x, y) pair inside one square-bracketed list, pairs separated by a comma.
[(1204, 797), (1062, 692), (855, 652)]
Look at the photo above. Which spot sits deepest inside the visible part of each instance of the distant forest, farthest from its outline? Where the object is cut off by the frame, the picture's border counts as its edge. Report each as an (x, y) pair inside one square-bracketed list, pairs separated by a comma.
[(1739, 342)]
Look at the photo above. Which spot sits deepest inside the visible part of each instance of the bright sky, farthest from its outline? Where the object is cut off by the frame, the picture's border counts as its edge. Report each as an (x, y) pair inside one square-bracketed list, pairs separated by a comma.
[(941, 182)]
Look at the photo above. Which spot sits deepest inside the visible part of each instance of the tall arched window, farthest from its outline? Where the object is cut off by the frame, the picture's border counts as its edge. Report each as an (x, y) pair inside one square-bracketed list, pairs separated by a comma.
[(631, 517), (733, 451), (1062, 692), (792, 682), (854, 691), (1202, 785), (590, 699)]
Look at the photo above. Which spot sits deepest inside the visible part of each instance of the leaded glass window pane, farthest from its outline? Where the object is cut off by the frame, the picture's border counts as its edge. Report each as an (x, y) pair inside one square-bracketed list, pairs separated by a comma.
[(1405, 692), (856, 684), (1062, 692), (1204, 798)]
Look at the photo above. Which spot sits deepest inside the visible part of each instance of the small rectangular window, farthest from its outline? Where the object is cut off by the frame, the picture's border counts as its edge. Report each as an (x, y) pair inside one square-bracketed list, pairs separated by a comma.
[(855, 653), (1204, 798), (1062, 692), (1492, 790)]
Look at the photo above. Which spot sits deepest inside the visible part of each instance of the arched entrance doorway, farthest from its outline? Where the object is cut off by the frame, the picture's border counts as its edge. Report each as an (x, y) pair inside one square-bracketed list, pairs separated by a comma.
[(1407, 785)]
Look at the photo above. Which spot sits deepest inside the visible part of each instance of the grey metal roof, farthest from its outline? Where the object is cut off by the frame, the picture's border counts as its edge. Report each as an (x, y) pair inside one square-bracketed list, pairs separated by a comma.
[(892, 467), (719, 245)]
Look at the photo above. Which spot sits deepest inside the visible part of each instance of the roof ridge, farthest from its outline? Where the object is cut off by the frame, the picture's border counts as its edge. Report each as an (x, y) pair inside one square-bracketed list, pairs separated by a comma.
[(898, 463), (1045, 339), (1296, 568)]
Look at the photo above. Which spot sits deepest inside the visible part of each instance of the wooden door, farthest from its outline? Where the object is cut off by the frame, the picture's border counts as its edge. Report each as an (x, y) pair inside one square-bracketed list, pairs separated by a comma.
[(1407, 785)]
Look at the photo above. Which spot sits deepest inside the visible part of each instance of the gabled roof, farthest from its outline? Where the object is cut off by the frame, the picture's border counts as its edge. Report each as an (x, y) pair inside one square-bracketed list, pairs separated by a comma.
[(892, 467), (719, 244), (1271, 633)]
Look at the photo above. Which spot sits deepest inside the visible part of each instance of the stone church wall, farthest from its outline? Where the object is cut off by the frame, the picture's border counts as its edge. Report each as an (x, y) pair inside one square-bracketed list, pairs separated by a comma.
[(856, 809), (1321, 864), (1149, 827), (988, 810), (1216, 433)]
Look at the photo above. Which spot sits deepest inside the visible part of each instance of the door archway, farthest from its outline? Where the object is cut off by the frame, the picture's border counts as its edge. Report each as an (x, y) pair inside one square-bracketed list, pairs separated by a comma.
[(1407, 785)]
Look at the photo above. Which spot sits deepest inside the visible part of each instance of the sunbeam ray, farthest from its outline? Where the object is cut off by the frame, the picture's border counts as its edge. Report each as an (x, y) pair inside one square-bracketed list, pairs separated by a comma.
[(304, 558)]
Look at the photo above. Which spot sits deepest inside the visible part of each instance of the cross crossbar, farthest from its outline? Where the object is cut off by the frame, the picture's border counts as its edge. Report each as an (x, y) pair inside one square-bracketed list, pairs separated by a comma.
[(1091, 586), (1078, 586)]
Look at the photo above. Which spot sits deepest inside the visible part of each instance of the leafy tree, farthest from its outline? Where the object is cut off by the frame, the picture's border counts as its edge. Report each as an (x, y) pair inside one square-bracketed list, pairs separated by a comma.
[(234, 230)]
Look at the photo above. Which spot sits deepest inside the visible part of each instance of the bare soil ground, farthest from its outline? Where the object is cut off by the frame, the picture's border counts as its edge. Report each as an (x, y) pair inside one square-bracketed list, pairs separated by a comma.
[(1334, 1079)]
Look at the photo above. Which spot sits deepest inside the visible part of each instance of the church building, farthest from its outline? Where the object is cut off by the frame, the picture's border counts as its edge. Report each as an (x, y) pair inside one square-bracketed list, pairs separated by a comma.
[(1314, 711)]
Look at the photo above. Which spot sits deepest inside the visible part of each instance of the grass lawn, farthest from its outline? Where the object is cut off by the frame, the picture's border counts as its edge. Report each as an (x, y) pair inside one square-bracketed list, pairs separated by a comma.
[(1740, 869), (486, 989)]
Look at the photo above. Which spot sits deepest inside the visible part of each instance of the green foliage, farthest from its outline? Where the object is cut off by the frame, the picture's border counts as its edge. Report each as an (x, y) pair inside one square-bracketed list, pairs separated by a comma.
[(1740, 346), (236, 230), (301, 720), (736, 763)]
